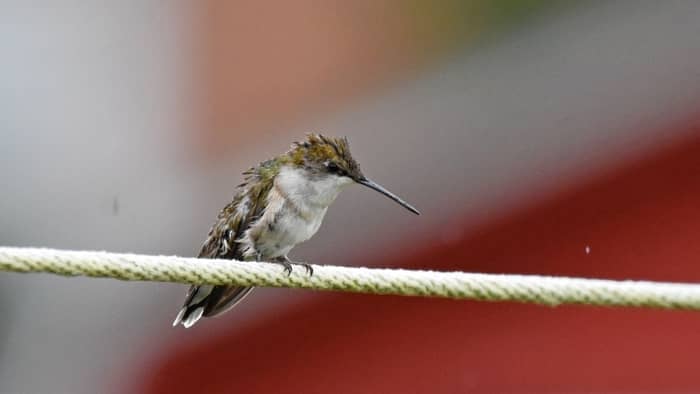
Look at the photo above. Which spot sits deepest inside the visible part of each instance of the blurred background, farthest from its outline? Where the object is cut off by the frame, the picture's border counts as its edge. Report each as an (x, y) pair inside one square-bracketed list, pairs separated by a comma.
[(536, 136)]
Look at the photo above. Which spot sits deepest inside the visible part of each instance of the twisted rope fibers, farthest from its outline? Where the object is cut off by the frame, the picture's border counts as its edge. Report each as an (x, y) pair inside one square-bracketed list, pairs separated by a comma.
[(544, 290)]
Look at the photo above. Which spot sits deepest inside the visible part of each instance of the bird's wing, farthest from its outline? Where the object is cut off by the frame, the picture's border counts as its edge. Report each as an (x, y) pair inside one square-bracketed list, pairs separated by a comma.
[(247, 206), (236, 217)]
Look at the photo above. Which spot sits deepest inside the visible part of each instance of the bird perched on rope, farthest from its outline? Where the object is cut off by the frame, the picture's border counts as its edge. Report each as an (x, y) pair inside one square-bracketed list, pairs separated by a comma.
[(280, 204)]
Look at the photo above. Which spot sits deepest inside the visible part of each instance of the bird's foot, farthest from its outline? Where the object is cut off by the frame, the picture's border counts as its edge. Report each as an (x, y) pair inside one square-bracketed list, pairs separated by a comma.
[(287, 264), (309, 269)]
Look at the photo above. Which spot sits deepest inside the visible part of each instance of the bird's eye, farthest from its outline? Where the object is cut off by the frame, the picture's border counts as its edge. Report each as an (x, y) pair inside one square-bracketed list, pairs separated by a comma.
[(333, 167)]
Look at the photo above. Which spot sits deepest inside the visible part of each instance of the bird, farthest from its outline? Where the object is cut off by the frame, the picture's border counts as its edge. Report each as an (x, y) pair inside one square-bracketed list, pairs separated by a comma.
[(280, 203)]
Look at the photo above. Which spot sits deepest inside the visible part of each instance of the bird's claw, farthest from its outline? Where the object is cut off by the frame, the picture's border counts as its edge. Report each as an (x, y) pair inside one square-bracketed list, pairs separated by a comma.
[(288, 265), (309, 269)]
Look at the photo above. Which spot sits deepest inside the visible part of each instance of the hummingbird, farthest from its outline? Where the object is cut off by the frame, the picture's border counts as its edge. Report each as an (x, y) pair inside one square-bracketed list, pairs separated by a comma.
[(281, 203)]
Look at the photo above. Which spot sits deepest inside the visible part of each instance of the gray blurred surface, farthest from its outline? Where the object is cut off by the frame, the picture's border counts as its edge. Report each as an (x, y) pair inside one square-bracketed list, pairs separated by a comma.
[(88, 115)]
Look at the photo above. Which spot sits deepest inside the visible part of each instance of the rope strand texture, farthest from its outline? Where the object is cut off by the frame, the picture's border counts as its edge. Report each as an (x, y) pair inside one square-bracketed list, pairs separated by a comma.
[(543, 290)]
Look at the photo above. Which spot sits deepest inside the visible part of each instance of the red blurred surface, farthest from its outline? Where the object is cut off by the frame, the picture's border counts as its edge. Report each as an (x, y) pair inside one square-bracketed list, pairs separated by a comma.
[(264, 65), (641, 222)]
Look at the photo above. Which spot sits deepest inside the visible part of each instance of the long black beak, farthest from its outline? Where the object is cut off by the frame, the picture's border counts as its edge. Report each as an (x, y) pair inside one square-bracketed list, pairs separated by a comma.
[(375, 186)]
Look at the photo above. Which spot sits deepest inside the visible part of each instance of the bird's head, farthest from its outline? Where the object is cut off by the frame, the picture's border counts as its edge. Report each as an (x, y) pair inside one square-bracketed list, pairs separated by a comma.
[(329, 158)]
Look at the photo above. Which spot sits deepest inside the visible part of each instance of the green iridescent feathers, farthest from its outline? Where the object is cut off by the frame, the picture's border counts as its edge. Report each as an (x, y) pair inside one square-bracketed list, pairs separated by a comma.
[(320, 150), (314, 153)]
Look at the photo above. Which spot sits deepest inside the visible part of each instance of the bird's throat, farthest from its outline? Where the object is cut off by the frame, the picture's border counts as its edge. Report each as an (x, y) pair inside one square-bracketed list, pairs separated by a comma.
[(308, 191)]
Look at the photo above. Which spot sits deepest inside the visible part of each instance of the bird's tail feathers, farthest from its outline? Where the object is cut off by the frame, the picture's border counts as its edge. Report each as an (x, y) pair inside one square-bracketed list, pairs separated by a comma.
[(208, 301)]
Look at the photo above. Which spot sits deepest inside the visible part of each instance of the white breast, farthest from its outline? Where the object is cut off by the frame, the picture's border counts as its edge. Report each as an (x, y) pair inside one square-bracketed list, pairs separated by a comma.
[(306, 190), (296, 206)]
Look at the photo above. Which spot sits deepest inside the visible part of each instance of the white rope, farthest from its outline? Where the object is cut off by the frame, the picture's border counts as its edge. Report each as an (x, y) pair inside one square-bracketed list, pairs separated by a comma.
[(545, 290)]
